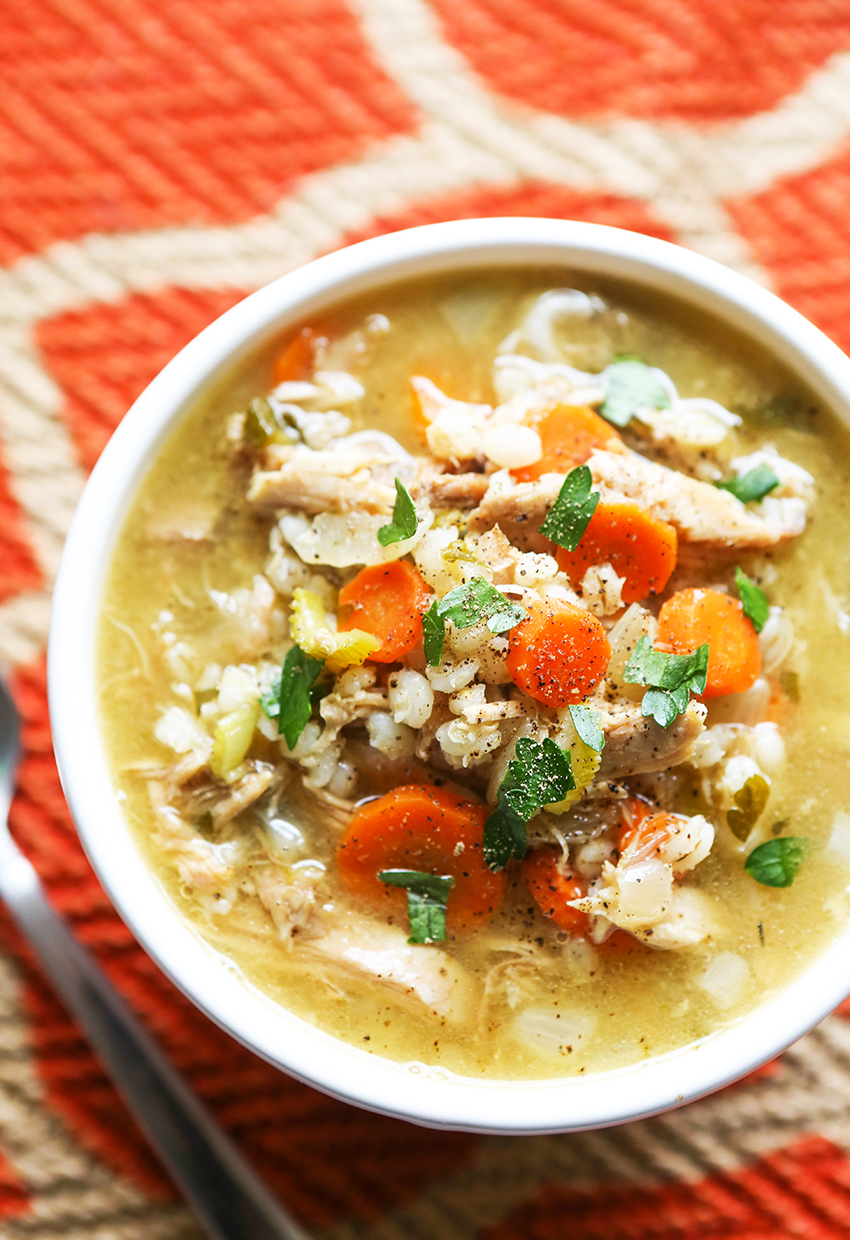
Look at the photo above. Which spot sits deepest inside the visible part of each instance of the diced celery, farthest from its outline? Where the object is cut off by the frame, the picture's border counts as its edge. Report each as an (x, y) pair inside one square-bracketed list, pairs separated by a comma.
[(585, 763), (263, 426), (232, 738), (311, 633), (750, 802)]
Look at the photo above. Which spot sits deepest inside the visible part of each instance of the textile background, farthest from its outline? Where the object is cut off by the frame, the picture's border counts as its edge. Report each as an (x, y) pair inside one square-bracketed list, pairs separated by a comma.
[(159, 161)]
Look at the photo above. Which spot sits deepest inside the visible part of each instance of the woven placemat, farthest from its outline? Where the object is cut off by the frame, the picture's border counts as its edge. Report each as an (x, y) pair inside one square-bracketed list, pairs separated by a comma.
[(158, 162)]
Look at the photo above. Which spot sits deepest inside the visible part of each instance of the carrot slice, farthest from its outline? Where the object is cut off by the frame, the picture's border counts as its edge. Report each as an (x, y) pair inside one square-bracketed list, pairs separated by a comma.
[(386, 600), (643, 830), (295, 360), (693, 617), (558, 653), (553, 890), (417, 827), (638, 546), (569, 434)]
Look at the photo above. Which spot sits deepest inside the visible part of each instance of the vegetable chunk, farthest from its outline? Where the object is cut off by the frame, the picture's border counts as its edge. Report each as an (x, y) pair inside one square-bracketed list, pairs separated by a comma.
[(387, 601), (638, 546), (559, 653), (693, 617), (569, 433), (429, 830), (553, 890)]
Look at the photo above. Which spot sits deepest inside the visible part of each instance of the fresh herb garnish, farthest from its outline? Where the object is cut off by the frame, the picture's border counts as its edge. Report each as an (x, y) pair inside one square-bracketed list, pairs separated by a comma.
[(671, 678), (467, 605), (586, 720), (433, 635), (750, 802), (540, 774), (570, 514), (404, 522), (754, 600), (752, 486), (426, 902), (632, 385), (290, 698), (775, 863)]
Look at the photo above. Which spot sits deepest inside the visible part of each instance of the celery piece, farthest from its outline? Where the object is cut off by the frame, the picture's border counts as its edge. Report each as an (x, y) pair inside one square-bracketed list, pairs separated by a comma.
[(232, 738), (311, 632)]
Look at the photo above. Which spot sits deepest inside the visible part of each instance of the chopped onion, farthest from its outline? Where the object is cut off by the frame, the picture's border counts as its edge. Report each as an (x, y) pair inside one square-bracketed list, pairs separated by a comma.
[(839, 840), (724, 978), (551, 1029), (645, 891)]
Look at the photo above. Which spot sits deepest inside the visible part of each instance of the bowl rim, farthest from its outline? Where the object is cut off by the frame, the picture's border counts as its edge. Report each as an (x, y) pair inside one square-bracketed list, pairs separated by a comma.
[(427, 1095)]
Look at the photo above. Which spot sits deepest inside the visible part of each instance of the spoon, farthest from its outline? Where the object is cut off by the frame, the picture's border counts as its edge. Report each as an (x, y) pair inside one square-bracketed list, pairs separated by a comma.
[(228, 1197)]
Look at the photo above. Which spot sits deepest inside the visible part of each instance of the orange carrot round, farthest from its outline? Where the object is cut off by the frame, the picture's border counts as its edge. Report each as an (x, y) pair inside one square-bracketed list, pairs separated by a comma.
[(638, 546), (417, 827), (295, 360), (643, 830), (569, 434), (386, 600), (693, 617), (558, 653), (553, 890)]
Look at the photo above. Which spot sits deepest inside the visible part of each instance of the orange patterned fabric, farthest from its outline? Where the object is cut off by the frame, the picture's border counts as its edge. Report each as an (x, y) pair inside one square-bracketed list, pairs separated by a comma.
[(157, 161)]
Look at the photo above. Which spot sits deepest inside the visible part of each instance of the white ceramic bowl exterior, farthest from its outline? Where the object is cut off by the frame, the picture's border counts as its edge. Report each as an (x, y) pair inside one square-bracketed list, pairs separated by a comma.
[(412, 1091)]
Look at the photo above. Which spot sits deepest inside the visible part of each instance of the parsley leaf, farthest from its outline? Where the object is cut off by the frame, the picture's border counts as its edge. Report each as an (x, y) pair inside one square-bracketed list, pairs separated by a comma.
[(404, 522), (632, 386), (754, 600), (570, 514), (433, 635), (775, 863), (426, 902), (540, 774), (290, 698), (752, 486), (586, 720), (671, 678), (464, 606)]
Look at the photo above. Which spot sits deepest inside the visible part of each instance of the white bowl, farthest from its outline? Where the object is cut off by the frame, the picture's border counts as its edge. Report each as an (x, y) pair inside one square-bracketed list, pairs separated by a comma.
[(411, 1091)]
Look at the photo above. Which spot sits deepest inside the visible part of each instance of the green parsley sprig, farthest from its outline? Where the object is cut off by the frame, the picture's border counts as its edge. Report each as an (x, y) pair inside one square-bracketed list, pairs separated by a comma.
[(540, 774), (754, 601), (570, 515), (290, 699), (586, 720), (404, 521), (776, 862), (427, 896), (671, 679), (466, 605), (632, 385), (752, 486)]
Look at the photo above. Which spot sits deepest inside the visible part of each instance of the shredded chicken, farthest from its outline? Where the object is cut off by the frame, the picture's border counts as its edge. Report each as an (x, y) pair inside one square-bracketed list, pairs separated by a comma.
[(634, 745), (426, 975)]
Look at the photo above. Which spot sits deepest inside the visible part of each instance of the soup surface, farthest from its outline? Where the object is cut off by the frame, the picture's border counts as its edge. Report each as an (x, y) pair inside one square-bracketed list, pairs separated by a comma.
[(511, 800)]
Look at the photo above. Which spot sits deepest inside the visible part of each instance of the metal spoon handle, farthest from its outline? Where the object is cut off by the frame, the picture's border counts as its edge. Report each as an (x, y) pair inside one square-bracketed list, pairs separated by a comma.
[(226, 1195)]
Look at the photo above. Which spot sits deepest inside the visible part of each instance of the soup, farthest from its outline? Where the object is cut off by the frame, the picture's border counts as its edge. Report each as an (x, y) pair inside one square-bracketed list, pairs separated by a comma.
[(473, 672)]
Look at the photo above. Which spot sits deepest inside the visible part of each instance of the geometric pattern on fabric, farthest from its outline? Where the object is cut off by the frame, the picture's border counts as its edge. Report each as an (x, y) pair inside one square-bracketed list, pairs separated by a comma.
[(14, 1201), (688, 61), (800, 1192), (18, 568), (117, 116), (797, 229), (103, 355), (326, 1159), (527, 198)]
